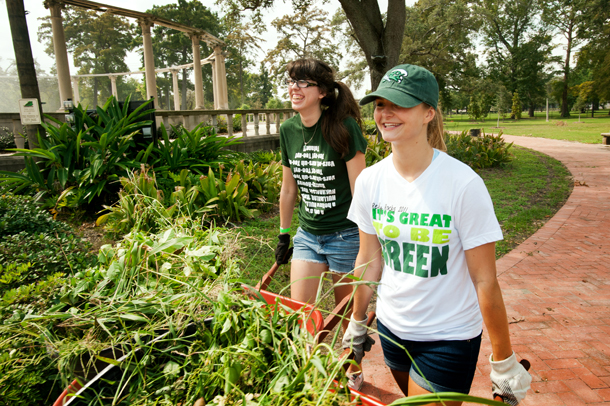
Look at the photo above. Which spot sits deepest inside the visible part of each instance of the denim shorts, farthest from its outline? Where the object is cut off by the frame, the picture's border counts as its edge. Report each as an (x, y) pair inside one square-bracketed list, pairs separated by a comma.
[(337, 250), (448, 366)]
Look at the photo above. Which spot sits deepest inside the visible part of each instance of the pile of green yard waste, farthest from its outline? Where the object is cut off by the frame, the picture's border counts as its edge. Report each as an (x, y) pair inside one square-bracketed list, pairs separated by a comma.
[(166, 312)]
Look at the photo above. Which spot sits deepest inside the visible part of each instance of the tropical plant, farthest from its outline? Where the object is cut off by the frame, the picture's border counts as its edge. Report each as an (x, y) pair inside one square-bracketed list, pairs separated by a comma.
[(142, 205), (264, 182), (227, 198), (82, 161), (197, 150)]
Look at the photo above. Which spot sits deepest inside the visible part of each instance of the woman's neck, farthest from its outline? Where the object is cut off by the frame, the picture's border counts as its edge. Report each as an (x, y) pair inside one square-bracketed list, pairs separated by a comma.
[(411, 159), (310, 117)]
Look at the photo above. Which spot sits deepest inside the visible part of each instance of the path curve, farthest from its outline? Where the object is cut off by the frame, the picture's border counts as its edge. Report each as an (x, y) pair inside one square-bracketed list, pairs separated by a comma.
[(556, 287)]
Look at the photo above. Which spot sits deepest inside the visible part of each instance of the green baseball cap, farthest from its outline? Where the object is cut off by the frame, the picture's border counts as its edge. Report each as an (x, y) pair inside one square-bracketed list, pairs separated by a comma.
[(406, 86)]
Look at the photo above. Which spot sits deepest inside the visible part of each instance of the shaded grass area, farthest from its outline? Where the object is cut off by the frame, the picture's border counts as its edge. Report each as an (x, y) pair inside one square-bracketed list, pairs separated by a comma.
[(587, 130), (526, 193)]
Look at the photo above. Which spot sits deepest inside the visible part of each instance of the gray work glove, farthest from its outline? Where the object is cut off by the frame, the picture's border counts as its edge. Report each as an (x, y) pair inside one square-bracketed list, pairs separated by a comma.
[(356, 338), (509, 379)]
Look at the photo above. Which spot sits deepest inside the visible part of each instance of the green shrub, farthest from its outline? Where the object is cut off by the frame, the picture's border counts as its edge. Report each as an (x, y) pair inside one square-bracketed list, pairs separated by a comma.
[(516, 109), (7, 139), (376, 149), (370, 128), (30, 237), (47, 253), (474, 109), (21, 214), (237, 123), (221, 124), (263, 157), (486, 151)]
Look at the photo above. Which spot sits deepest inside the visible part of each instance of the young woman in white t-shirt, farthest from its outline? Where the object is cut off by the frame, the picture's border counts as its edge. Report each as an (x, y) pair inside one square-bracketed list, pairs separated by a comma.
[(427, 234)]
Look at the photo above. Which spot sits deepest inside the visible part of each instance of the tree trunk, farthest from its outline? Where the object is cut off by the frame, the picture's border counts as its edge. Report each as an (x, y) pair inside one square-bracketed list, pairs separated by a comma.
[(531, 109), (24, 63), (565, 111), (380, 44)]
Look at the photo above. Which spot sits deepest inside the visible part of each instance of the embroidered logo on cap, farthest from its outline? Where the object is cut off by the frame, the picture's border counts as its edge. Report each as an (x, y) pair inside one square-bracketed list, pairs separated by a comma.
[(397, 75)]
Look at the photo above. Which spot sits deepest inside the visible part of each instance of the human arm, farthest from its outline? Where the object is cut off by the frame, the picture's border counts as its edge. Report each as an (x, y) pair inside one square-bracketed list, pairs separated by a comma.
[(368, 268), (354, 167), (481, 262), (369, 265), (288, 196), (509, 378)]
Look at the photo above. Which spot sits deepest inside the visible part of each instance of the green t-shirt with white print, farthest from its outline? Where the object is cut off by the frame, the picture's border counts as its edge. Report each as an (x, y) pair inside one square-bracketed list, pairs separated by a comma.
[(320, 173)]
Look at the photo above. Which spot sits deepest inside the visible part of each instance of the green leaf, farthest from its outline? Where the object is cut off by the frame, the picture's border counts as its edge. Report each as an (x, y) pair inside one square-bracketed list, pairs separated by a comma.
[(171, 369), (133, 317)]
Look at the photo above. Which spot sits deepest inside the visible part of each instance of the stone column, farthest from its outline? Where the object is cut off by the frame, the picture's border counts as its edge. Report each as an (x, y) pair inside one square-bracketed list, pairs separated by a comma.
[(76, 98), (115, 93), (61, 53), (215, 86), (221, 76), (197, 71), (176, 91), (149, 61)]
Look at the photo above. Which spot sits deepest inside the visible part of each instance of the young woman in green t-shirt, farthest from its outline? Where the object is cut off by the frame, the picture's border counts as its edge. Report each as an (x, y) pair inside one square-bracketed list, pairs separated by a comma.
[(322, 155)]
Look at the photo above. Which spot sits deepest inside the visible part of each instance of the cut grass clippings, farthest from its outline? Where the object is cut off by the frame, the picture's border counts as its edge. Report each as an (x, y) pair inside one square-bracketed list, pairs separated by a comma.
[(526, 193), (588, 130)]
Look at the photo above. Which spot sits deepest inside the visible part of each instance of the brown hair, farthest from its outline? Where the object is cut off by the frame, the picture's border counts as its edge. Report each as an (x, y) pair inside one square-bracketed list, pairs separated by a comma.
[(339, 101), (435, 131)]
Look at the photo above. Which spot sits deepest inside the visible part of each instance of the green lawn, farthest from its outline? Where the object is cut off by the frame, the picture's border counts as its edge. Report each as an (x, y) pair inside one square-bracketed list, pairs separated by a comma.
[(586, 130)]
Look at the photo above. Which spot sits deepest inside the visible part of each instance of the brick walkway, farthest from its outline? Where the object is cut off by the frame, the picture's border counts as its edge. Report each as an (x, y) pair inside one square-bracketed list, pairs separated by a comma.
[(556, 286)]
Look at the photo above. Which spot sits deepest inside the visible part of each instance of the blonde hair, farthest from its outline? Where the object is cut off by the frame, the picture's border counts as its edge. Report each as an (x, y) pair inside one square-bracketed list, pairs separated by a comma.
[(435, 133)]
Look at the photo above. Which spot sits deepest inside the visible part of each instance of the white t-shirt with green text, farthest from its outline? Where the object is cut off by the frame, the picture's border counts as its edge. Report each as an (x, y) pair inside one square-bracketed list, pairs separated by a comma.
[(424, 226)]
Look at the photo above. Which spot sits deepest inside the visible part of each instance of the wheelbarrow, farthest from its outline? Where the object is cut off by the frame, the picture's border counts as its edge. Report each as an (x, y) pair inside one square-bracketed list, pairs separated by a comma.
[(315, 324)]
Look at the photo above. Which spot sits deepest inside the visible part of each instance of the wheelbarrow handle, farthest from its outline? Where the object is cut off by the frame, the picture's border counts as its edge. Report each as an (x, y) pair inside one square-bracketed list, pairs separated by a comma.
[(266, 279), (526, 364)]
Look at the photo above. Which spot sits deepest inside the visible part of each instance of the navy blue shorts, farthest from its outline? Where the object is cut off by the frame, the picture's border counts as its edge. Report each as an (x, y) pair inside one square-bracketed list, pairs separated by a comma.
[(448, 366), (337, 250)]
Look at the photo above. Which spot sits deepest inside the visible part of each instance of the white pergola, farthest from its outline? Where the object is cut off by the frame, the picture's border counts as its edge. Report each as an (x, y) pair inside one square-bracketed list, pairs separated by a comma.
[(146, 21)]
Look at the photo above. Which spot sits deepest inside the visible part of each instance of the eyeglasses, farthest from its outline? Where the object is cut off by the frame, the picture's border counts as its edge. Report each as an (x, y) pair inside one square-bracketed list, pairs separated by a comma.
[(300, 83)]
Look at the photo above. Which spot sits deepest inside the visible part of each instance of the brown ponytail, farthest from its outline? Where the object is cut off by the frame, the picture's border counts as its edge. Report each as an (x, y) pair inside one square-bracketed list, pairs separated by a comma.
[(435, 131), (339, 103)]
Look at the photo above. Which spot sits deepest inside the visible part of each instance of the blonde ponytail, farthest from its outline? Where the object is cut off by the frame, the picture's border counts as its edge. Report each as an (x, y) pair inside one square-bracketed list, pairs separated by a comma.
[(435, 133)]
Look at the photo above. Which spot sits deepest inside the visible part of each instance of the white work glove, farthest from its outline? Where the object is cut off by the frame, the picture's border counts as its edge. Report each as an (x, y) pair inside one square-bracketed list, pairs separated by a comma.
[(356, 338), (509, 379)]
